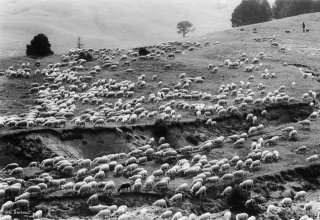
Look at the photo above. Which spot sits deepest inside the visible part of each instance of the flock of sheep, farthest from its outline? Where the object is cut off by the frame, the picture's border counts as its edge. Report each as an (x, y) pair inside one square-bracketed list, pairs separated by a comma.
[(69, 85)]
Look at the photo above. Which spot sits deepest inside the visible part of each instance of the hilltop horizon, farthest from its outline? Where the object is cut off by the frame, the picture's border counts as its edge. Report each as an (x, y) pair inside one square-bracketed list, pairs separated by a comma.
[(106, 23)]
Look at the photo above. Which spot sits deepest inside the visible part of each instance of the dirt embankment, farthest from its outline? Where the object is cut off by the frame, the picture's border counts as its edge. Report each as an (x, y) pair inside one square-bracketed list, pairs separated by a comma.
[(25, 146)]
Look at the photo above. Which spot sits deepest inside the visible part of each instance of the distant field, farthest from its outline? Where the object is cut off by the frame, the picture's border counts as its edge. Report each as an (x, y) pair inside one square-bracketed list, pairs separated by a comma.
[(105, 23)]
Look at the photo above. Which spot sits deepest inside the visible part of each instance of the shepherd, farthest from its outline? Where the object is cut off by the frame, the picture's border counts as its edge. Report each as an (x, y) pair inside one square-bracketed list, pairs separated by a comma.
[(303, 27)]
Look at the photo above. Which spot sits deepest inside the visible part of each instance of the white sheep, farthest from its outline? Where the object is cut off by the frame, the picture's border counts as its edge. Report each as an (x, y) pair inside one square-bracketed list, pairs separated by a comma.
[(242, 216), (300, 195), (286, 202), (160, 203)]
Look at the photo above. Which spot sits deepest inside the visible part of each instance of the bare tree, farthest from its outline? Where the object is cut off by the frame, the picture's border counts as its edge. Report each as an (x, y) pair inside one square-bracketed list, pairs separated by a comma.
[(79, 43)]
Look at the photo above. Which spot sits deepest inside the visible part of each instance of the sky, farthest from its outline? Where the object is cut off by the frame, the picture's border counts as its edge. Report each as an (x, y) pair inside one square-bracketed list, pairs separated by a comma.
[(106, 23)]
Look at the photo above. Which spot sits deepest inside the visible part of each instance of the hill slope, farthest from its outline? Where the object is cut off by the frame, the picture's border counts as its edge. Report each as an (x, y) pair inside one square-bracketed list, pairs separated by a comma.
[(111, 23)]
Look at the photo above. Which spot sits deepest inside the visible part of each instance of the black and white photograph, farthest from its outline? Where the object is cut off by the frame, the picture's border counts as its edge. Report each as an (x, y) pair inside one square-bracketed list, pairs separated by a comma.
[(160, 109)]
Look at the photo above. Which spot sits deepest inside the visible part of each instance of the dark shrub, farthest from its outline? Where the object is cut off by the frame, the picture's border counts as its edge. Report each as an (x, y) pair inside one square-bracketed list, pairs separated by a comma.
[(237, 199), (86, 56), (160, 128), (143, 51), (39, 46)]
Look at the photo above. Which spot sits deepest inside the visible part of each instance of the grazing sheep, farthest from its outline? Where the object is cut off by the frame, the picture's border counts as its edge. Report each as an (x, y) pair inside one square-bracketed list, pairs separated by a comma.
[(105, 213), (300, 195), (313, 158), (166, 215), (160, 203), (247, 184), (286, 202)]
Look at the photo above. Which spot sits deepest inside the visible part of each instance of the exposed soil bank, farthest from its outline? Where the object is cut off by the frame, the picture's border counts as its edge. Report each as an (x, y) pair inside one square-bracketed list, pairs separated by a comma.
[(25, 146)]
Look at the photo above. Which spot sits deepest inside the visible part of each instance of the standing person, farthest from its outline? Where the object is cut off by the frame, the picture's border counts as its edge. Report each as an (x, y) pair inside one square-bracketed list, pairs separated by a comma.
[(303, 26)]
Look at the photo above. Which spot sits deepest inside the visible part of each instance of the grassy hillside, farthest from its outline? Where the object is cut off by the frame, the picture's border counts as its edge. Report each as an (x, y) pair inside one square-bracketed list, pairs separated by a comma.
[(105, 23)]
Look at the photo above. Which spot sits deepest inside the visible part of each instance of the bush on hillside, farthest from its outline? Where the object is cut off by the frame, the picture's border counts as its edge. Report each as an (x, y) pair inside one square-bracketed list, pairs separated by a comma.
[(251, 12), (39, 46), (237, 199), (85, 55), (143, 51)]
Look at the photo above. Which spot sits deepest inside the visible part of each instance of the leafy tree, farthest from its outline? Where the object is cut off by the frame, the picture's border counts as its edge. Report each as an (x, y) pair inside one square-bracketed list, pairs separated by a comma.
[(39, 46), (251, 12), (287, 8), (184, 27)]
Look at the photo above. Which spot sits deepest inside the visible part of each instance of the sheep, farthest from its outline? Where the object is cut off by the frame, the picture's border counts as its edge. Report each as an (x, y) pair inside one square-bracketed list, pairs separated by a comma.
[(105, 213), (25, 195), (92, 200), (176, 216), (23, 203), (300, 195), (160, 203), (227, 191), (302, 150), (271, 210), (247, 183), (38, 214), (182, 188), (98, 208), (305, 123), (205, 216), (18, 171), (166, 215), (293, 135), (6, 206), (242, 216), (239, 143), (177, 198), (85, 189), (202, 191), (313, 158), (286, 202)]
